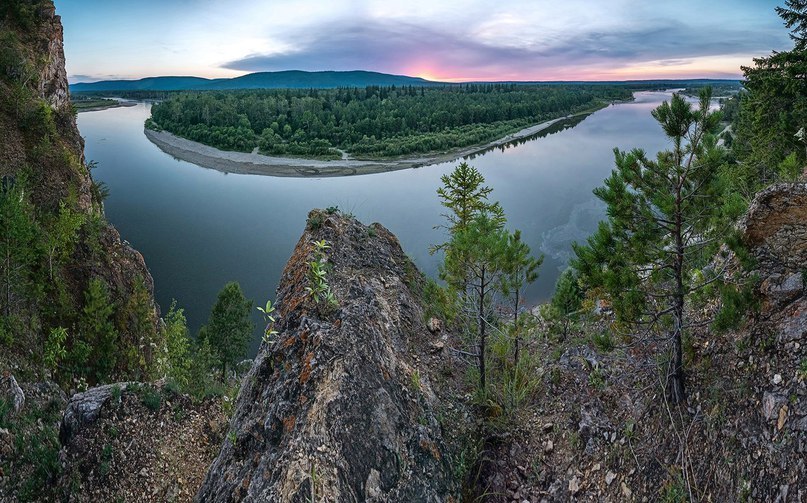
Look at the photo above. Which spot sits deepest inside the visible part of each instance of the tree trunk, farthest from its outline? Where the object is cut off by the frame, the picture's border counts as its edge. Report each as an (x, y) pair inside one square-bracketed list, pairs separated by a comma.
[(482, 331), (516, 328), (675, 379)]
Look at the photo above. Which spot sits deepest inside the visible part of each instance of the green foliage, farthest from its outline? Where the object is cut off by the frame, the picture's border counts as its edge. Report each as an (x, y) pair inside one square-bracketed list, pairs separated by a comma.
[(151, 398), (603, 341), (774, 109), (374, 121), (438, 301), (269, 333), (55, 350), (201, 383), (735, 302), (790, 169), (229, 327), (662, 225), (318, 287), (18, 250), (98, 333), (143, 343), (465, 195), (566, 302), (177, 346), (35, 436)]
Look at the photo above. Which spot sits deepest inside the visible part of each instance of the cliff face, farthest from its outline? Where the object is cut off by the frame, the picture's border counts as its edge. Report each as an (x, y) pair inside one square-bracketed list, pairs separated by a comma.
[(342, 407), (42, 152)]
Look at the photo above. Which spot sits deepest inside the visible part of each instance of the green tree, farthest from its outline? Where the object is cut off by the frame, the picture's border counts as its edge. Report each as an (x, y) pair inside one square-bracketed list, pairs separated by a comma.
[(475, 258), (229, 327), (465, 195), (774, 109), (18, 232), (98, 331), (520, 269), (660, 227), (177, 345), (61, 234), (567, 299)]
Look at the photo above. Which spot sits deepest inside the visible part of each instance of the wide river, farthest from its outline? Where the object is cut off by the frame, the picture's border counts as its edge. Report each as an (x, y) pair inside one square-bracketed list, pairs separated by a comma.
[(198, 228)]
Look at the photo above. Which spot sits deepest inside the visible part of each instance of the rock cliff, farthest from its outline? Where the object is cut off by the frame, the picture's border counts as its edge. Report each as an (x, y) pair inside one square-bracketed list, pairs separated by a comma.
[(43, 152), (343, 405)]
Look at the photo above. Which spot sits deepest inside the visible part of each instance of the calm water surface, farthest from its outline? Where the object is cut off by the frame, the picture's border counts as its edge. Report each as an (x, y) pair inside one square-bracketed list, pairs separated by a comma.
[(198, 228)]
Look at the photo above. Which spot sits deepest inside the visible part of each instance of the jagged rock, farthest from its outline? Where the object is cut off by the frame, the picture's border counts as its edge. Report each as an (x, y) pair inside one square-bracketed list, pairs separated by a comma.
[(794, 326), (609, 477), (84, 408), (11, 389), (775, 227), (340, 407), (781, 289)]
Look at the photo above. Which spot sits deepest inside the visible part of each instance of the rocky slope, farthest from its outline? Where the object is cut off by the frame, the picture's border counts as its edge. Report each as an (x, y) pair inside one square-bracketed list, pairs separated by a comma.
[(600, 430), (345, 404), (134, 442)]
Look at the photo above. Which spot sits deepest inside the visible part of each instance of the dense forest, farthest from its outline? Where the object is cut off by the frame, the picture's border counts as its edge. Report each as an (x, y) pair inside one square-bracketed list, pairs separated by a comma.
[(373, 121)]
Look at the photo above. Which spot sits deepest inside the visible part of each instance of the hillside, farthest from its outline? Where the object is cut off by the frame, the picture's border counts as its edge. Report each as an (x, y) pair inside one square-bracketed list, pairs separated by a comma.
[(291, 79)]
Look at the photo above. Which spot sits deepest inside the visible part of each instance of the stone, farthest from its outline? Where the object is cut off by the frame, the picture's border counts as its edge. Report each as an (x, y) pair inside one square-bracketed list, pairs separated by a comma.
[(777, 379), (574, 485), (782, 417), (626, 492), (549, 446), (609, 477), (84, 408), (794, 326), (12, 389), (771, 402), (434, 325)]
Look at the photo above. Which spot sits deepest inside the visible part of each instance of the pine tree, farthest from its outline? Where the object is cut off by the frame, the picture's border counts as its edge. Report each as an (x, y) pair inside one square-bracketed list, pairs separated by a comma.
[(229, 327), (520, 269), (661, 224), (774, 110), (475, 258), (98, 330), (567, 298)]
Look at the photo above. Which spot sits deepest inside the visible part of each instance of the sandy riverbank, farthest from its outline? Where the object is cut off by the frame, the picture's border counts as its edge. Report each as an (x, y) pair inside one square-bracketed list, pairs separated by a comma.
[(258, 164), (117, 104)]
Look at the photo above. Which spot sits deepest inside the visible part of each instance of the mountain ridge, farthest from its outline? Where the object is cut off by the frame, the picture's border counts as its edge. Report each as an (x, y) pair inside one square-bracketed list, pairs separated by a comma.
[(258, 80), (300, 79)]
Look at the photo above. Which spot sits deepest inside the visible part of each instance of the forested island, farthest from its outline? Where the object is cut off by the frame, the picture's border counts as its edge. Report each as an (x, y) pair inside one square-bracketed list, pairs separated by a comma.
[(372, 122)]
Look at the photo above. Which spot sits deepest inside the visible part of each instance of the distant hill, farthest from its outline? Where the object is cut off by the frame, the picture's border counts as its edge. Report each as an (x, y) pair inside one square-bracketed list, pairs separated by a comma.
[(294, 79)]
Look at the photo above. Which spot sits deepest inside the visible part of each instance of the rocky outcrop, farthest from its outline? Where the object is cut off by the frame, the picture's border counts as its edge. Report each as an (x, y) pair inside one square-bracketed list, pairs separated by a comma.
[(53, 86), (775, 228), (85, 407), (342, 406), (42, 148)]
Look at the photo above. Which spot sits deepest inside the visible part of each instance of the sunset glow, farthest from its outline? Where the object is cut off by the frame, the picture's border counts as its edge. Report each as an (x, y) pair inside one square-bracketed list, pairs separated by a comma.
[(447, 41)]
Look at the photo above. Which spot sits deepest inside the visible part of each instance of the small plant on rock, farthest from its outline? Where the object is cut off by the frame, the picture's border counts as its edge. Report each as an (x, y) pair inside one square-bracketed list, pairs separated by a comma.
[(317, 274), (269, 334)]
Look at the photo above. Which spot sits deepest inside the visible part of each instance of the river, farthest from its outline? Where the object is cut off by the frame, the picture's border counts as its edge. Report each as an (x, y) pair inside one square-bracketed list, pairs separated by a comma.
[(198, 228)]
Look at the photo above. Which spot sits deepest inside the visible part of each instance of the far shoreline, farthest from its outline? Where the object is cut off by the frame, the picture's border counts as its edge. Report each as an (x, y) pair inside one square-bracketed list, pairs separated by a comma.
[(258, 164), (116, 104)]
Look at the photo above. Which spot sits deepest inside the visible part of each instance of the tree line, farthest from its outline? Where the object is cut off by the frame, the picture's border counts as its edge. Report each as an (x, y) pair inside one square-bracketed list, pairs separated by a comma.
[(371, 121)]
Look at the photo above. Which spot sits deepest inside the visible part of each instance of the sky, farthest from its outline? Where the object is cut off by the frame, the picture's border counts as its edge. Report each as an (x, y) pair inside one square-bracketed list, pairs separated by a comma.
[(444, 40)]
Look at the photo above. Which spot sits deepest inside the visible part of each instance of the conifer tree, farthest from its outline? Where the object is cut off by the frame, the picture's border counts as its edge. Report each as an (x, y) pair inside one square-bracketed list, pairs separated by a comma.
[(661, 221), (229, 327)]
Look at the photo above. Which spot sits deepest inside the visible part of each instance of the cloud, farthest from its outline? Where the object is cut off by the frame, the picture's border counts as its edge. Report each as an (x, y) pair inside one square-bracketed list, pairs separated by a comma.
[(417, 49)]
